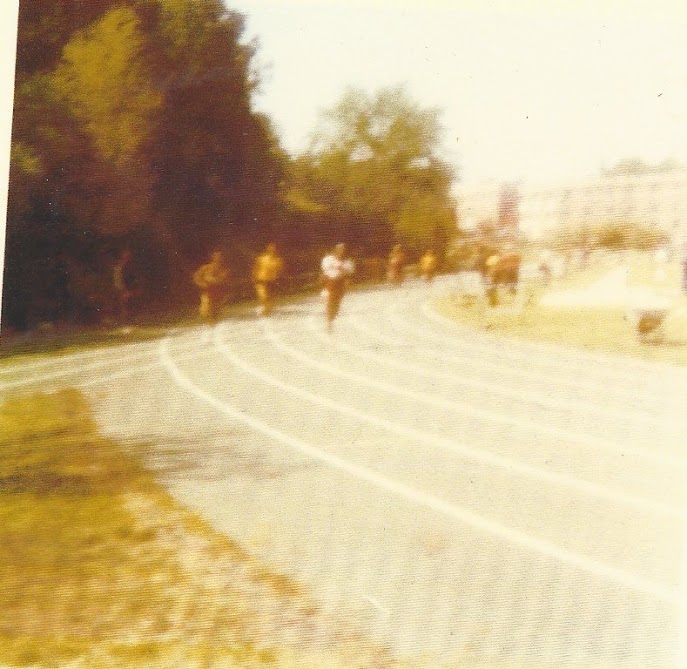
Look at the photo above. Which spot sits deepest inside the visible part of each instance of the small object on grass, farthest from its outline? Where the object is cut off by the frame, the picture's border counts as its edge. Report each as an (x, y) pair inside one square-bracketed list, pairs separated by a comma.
[(649, 318), (649, 322)]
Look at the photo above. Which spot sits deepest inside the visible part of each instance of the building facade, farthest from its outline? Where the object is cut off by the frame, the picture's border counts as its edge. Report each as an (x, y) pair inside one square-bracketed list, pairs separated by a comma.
[(652, 197)]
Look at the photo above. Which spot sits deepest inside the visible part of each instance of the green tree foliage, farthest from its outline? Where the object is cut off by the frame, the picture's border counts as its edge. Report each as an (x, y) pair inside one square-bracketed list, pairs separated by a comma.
[(374, 174), (103, 78), (217, 164), (132, 127), (56, 183), (45, 27)]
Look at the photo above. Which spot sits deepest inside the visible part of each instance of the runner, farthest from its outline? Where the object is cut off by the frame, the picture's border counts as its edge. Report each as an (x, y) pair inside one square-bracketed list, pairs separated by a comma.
[(490, 279), (428, 265), (396, 265), (212, 279), (336, 273), (266, 271)]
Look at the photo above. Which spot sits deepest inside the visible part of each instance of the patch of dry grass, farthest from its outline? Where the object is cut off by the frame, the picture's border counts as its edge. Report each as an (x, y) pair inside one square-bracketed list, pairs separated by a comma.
[(604, 330), (99, 567)]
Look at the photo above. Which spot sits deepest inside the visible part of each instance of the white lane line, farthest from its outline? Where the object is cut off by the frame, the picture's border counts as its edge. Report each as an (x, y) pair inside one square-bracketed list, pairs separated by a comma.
[(484, 457), (555, 351), (565, 377), (59, 359), (133, 371), (548, 350), (482, 524), (470, 342), (70, 366), (482, 340), (495, 460), (535, 398), (73, 371), (559, 359), (125, 348), (197, 352)]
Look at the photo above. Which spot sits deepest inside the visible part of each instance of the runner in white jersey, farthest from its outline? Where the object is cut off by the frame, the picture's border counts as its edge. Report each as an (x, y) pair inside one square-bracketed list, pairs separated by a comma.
[(336, 272)]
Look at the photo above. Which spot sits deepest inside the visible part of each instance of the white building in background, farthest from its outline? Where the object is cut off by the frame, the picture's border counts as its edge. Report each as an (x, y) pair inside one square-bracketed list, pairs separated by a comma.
[(654, 197)]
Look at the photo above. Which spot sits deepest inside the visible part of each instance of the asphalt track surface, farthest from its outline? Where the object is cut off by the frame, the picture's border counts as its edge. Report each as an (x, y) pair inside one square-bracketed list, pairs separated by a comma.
[(472, 501)]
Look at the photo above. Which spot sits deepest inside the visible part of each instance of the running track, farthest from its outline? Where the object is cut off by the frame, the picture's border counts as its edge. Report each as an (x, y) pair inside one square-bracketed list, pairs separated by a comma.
[(465, 499)]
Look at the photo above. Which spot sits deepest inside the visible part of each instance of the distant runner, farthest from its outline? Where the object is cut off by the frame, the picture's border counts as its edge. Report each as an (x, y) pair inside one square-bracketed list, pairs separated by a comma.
[(428, 265), (213, 281), (395, 266), (125, 284), (336, 273), (266, 272)]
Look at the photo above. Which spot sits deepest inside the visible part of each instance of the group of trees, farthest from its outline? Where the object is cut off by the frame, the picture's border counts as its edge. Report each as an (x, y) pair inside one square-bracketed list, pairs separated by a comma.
[(374, 167), (134, 128), (613, 235)]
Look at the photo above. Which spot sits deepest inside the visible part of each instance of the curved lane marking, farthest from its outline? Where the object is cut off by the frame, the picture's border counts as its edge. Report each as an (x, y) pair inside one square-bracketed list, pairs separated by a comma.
[(474, 520), (513, 466), (534, 398), (570, 380)]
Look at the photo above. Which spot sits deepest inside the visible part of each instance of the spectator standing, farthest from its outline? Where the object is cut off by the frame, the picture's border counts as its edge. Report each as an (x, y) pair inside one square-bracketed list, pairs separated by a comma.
[(125, 284), (396, 265)]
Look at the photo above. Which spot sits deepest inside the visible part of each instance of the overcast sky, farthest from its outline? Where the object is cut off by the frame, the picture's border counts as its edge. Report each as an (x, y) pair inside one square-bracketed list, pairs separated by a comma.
[(525, 92)]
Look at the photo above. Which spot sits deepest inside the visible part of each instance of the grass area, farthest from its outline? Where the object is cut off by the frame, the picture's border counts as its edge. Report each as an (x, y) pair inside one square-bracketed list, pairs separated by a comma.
[(664, 279), (99, 567), (49, 342), (602, 329)]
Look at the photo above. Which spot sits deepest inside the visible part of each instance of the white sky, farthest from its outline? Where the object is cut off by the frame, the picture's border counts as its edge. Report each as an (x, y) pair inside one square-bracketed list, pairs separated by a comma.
[(525, 92)]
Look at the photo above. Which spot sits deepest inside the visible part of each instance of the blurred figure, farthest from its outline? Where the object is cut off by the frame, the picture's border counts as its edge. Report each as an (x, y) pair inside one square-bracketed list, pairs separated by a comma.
[(266, 272), (125, 284), (507, 271), (481, 258), (395, 265), (545, 267), (428, 265), (336, 273), (213, 281), (490, 277)]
